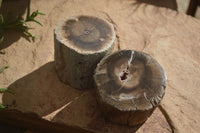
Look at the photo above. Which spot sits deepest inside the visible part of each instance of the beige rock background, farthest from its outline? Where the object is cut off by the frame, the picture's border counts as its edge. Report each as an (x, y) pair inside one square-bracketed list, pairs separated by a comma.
[(182, 6), (170, 37)]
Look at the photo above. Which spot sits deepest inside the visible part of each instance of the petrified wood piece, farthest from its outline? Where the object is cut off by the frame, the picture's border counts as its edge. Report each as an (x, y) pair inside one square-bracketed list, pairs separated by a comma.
[(80, 43), (130, 84)]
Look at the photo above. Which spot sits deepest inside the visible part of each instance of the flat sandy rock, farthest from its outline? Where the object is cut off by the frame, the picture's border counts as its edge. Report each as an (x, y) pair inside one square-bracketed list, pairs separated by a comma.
[(171, 38)]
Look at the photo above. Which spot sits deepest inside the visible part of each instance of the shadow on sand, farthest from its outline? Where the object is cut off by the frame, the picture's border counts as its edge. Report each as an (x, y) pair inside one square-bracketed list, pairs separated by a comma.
[(15, 7)]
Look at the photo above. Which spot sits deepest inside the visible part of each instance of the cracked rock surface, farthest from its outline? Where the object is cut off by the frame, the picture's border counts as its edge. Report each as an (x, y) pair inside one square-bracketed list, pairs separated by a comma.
[(171, 38)]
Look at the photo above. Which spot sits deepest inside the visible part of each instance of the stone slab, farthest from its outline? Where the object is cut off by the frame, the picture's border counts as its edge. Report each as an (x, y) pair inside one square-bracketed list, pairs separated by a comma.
[(170, 37)]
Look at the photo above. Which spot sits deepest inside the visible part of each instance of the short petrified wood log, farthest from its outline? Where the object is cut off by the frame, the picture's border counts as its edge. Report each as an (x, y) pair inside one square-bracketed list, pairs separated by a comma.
[(130, 84), (80, 43)]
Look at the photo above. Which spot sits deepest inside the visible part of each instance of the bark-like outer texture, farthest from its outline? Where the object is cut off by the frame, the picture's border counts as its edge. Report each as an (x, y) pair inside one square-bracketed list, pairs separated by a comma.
[(75, 66), (141, 99)]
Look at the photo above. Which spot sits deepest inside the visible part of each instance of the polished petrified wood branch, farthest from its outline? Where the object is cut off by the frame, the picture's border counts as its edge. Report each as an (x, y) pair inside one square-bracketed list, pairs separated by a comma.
[(80, 43), (130, 84)]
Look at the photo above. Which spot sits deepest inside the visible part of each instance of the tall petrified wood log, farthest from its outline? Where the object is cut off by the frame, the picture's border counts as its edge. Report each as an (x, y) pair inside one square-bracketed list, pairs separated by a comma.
[(130, 84), (80, 43)]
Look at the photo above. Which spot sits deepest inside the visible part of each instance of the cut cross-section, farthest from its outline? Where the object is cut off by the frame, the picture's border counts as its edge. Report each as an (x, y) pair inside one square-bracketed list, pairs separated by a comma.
[(80, 43), (130, 84)]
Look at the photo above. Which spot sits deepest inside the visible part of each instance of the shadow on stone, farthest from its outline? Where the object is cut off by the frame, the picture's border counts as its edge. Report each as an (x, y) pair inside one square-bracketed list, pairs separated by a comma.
[(42, 93), (85, 112), (39, 92), (15, 7), (171, 4), (4, 128), (64, 108)]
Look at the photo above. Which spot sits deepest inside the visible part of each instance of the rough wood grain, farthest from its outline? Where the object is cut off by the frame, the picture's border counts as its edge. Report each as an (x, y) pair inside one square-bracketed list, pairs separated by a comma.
[(80, 43), (130, 85)]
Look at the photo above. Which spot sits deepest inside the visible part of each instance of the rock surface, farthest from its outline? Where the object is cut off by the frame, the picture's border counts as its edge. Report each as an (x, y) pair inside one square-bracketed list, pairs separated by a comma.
[(171, 38)]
